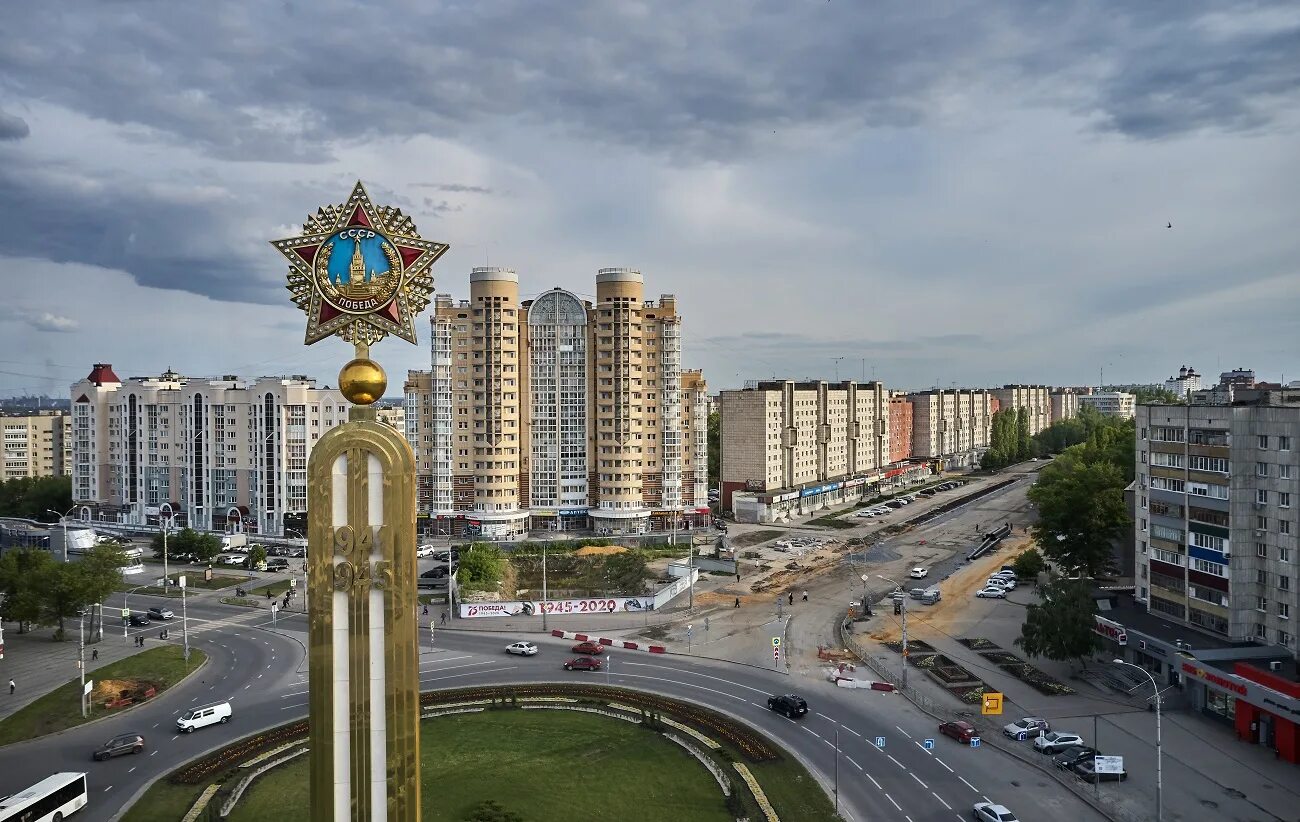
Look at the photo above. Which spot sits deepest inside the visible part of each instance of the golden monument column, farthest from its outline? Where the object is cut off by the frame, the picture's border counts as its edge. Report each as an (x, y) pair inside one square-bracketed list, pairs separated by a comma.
[(362, 272)]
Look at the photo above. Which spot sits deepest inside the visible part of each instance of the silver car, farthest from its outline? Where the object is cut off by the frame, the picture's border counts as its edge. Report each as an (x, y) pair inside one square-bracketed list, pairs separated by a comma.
[(1022, 729), (988, 812)]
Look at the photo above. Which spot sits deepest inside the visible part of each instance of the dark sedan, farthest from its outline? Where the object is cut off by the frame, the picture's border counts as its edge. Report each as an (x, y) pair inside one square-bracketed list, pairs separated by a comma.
[(119, 745), (1071, 755), (1084, 768), (138, 620), (582, 663)]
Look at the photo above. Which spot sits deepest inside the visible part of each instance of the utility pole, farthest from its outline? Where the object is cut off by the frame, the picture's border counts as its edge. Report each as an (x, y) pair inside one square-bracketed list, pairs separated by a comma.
[(902, 602), (185, 622), (837, 367), (543, 585), (166, 523), (81, 659)]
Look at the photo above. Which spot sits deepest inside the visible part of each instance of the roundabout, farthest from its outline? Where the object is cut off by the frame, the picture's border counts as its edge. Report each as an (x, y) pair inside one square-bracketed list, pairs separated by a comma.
[(525, 752)]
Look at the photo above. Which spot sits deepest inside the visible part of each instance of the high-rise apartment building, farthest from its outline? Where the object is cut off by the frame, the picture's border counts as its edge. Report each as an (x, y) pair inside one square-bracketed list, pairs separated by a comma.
[(1184, 384), (1111, 403), (1035, 399), (951, 425), (1216, 526), (37, 444), (218, 454), (557, 413), (900, 427), (790, 448), (1065, 405)]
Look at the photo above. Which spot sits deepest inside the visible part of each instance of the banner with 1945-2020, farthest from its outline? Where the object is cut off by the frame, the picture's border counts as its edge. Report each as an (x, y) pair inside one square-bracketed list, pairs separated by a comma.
[(591, 605)]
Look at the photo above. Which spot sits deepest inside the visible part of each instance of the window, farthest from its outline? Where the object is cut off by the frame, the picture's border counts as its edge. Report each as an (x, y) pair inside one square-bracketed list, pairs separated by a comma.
[(1284, 526), (1213, 568), (1284, 471), (1171, 557), (1283, 638), (1261, 523), (1284, 443), (1261, 550), (1284, 582), (1261, 496), (1284, 610), (1284, 554), (1261, 469), (1284, 499), (1166, 484), (1207, 541), (1260, 631), (1144, 524), (1263, 440), (1261, 576), (1261, 604), (1216, 464), (1165, 532)]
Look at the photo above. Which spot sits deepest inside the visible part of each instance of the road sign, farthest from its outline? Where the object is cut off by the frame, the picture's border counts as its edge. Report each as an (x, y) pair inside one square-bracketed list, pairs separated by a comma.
[(181, 580), (928, 744), (293, 582), (126, 612), (90, 683), (776, 642), (880, 742), (974, 741), (275, 606), (1108, 764), (689, 631), (991, 704)]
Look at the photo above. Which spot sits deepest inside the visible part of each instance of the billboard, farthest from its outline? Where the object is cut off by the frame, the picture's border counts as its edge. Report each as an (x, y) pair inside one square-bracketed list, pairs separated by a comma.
[(591, 605)]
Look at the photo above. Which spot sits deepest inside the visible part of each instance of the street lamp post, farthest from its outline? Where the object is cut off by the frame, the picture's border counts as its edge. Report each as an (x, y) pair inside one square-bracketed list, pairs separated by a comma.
[(302, 595), (544, 600), (903, 608), (1155, 687), (166, 526), (81, 659), (63, 520), (185, 622)]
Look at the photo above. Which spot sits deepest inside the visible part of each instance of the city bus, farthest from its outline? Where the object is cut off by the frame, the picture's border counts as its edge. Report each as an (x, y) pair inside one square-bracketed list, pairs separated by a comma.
[(49, 800)]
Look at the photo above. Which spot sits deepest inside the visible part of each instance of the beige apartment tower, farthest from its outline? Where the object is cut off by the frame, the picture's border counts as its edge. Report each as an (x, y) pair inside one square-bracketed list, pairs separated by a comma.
[(558, 413), (37, 445)]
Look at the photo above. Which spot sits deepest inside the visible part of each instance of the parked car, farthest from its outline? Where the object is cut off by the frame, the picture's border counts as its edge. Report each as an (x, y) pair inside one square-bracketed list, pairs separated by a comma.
[(425, 551), (1073, 754), (1056, 741), (1005, 575), (201, 717), (119, 745), (582, 663), (988, 812), (138, 620), (437, 572), (1084, 768), (1022, 729), (277, 564), (960, 730), (160, 613), (918, 573), (521, 648), (594, 648), (992, 592), (1005, 582), (791, 705)]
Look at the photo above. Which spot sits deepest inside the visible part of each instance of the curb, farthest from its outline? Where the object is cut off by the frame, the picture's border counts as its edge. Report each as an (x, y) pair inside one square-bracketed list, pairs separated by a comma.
[(610, 643), (124, 711)]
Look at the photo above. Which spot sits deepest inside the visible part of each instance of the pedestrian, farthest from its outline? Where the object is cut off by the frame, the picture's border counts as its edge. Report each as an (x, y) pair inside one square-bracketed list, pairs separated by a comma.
[(268, 593), (12, 686), (426, 609), (737, 576), (737, 605), (444, 617), (805, 596), (162, 634), (94, 654), (791, 596)]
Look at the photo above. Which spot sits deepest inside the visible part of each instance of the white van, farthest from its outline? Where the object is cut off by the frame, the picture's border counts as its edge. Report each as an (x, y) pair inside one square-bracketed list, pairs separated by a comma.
[(204, 716)]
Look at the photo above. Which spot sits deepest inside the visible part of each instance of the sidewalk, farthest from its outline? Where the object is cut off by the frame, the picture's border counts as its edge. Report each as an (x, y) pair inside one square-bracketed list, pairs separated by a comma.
[(38, 664)]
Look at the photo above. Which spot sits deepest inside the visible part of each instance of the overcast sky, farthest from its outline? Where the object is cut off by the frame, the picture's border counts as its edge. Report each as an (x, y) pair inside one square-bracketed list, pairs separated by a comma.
[(938, 193)]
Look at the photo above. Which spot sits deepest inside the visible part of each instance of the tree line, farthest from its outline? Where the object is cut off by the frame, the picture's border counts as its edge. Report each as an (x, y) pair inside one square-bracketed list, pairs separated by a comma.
[(35, 497), (39, 590)]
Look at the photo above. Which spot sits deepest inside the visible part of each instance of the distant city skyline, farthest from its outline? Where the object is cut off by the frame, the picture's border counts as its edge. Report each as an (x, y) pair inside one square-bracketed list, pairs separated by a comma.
[(974, 196)]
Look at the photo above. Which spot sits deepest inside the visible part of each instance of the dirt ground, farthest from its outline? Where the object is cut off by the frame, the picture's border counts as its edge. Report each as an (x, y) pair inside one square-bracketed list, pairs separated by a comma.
[(958, 593), (599, 550)]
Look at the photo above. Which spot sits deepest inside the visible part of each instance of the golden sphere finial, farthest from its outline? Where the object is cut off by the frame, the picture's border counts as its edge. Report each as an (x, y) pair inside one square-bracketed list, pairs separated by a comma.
[(362, 381)]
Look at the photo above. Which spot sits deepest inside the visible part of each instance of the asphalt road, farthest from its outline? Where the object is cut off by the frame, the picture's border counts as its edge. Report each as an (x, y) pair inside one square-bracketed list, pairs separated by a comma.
[(262, 673)]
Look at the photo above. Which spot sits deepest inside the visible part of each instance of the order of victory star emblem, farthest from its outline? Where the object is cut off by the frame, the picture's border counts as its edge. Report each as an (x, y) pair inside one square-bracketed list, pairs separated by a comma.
[(360, 271)]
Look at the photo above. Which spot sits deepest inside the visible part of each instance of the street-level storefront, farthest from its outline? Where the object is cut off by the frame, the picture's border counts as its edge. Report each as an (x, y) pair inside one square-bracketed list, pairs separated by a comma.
[(784, 505)]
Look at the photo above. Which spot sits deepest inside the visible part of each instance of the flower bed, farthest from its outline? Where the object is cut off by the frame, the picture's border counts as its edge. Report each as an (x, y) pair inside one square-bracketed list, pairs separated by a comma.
[(971, 695), (232, 755), (915, 647), (979, 643), (1026, 673)]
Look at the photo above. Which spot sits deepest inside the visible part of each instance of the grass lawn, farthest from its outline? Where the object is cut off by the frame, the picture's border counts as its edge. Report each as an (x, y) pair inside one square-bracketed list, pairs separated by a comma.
[(544, 755), (755, 537), (61, 708)]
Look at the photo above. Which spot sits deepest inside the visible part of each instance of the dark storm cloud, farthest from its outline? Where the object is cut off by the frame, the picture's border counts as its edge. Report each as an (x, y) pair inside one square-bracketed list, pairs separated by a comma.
[(12, 127), (258, 82)]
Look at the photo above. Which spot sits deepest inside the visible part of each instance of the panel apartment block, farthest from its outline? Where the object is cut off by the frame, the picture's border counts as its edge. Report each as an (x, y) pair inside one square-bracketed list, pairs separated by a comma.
[(950, 425), (1036, 399), (222, 454), (37, 445), (1216, 527)]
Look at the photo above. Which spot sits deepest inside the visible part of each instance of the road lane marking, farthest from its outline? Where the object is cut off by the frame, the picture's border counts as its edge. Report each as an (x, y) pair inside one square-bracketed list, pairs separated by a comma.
[(922, 747), (896, 762), (918, 780), (132, 769), (892, 802), (811, 731), (855, 733), (854, 764), (153, 753), (945, 764), (692, 673), (903, 732), (155, 724), (824, 716), (967, 784), (940, 798), (109, 788), (873, 780)]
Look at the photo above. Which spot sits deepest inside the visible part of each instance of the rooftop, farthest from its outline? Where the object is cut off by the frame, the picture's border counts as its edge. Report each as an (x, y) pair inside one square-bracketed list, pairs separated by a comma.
[(1288, 670), (1125, 610)]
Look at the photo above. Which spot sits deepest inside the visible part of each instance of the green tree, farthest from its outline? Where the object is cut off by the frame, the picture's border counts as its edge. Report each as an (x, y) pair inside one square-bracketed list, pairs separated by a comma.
[(204, 547), (481, 565), (1080, 502), (626, 572), (19, 568), (491, 811), (1029, 564), (715, 449), (64, 588), (1155, 395), (256, 554), (1024, 444), (1061, 626), (36, 497)]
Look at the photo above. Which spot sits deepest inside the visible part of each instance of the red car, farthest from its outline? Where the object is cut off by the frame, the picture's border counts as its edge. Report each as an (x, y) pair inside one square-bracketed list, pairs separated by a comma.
[(593, 648), (960, 731), (582, 663)]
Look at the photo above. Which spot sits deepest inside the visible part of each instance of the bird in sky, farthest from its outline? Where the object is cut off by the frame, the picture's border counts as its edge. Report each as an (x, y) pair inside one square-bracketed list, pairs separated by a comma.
[(1169, 225)]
